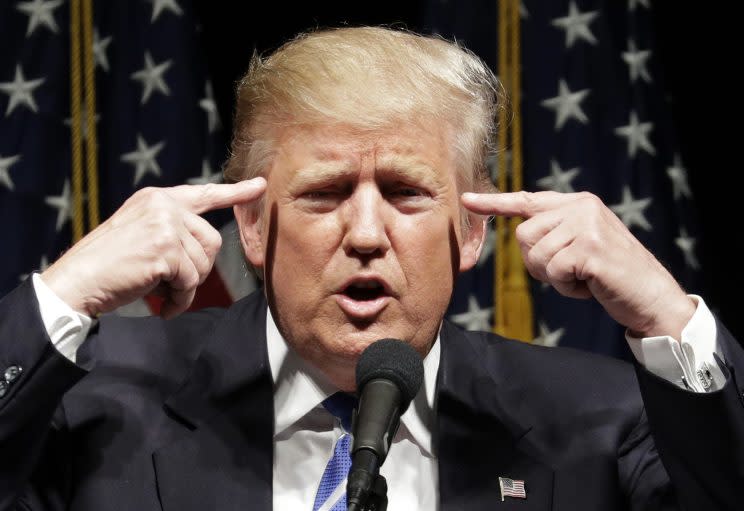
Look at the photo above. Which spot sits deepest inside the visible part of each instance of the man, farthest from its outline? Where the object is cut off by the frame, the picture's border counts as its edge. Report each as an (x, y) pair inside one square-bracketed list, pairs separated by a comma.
[(355, 160)]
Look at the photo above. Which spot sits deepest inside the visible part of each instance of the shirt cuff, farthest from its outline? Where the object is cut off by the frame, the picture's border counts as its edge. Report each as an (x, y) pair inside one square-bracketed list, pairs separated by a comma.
[(66, 327), (689, 363)]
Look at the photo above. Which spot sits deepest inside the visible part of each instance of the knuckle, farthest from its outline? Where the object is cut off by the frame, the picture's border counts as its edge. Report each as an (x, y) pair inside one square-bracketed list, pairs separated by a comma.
[(214, 240), (165, 240), (554, 271), (592, 241), (192, 279), (161, 219), (150, 194), (528, 199), (534, 259), (203, 265), (586, 195), (162, 269), (591, 201), (207, 193)]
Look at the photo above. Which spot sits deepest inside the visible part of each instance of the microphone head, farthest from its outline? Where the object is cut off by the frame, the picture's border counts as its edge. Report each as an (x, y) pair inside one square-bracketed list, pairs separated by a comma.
[(393, 360)]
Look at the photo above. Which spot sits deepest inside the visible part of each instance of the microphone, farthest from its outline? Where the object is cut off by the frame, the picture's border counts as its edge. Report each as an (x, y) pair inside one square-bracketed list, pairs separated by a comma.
[(388, 376)]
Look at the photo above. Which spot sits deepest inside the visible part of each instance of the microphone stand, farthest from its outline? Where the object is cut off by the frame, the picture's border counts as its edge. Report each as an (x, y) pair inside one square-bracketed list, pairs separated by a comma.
[(376, 499)]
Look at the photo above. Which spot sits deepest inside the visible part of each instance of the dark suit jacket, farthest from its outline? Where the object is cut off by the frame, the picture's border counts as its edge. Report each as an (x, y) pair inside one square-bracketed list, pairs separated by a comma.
[(178, 415)]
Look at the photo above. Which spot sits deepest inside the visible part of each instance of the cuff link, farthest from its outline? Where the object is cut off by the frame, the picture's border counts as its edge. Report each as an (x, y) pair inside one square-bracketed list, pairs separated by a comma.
[(704, 376), (10, 375)]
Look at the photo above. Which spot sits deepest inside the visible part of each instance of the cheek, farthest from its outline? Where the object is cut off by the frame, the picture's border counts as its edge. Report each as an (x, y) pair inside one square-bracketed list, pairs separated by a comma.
[(425, 252), (304, 247)]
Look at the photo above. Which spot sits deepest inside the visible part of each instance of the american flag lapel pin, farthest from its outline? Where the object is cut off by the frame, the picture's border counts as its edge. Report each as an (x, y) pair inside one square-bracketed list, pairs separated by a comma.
[(512, 488)]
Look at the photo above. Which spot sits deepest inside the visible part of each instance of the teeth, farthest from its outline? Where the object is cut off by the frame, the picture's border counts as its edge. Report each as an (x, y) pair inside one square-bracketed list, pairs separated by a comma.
[(367, 285)]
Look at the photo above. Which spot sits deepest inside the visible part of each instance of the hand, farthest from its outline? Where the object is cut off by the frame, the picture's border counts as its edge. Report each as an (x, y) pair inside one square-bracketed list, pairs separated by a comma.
[(156, 242), (576, 244)]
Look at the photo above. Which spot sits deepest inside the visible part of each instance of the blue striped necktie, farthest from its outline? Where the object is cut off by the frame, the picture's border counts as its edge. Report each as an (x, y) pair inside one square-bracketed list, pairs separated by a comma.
[(337, 469)]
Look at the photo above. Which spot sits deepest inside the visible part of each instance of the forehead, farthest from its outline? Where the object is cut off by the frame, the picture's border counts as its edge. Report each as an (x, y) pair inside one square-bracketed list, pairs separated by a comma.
[(402, 148)]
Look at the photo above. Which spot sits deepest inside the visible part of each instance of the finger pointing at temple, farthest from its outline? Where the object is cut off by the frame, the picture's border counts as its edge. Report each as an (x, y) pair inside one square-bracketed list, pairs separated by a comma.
[(201, 198), (524, 204)]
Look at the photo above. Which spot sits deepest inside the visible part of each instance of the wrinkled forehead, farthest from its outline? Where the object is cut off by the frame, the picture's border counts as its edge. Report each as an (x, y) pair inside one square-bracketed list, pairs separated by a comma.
[(322, 153)]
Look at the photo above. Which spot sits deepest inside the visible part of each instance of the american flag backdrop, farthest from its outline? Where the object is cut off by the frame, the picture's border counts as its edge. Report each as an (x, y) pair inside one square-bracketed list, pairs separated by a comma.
[(156, 122), (595, 118)]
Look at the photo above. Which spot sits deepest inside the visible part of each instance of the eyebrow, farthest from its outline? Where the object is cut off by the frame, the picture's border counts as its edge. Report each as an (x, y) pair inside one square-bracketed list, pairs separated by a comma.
[(397, 167), (320, 173), (408, 169)]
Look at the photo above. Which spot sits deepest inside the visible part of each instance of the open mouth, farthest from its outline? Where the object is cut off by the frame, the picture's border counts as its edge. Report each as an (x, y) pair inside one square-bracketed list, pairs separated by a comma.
[(365, 291), (363, 298)]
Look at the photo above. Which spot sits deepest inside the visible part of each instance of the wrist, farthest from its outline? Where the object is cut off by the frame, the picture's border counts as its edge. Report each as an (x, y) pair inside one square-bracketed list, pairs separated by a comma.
[(68, 291), (674, 317)]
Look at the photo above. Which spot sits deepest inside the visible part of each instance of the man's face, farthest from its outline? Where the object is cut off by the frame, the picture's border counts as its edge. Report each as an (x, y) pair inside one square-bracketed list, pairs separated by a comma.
[(360, 240)]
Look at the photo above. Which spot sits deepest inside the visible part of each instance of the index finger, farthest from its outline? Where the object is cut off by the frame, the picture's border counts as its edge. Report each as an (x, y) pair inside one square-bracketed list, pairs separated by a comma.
[(201, 198), (524, 204)]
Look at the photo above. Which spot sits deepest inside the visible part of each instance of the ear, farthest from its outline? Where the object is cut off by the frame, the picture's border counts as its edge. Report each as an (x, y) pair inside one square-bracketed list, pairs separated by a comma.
[(472, 242), (250, 229)]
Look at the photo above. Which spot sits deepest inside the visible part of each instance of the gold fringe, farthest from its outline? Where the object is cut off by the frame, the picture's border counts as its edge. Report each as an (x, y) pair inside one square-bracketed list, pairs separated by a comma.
[(513, 302), (82, 86), (78, 226), (91, 139)]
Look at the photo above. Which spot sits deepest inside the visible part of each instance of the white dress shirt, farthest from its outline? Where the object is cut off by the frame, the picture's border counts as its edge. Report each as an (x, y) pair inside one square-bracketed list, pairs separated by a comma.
[(305, 433)]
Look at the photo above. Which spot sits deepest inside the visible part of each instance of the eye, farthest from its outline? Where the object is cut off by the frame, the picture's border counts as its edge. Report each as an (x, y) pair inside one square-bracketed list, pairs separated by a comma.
[(322, 199), (320, 194), (326, 192), (407, 192)]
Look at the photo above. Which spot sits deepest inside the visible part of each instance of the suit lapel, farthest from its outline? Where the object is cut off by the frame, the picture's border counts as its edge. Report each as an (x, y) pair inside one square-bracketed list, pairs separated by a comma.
[(223, 456), (481, 434)]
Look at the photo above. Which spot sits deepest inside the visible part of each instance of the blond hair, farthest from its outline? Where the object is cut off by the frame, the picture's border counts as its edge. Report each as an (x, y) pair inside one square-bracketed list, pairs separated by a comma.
[(367, 78)]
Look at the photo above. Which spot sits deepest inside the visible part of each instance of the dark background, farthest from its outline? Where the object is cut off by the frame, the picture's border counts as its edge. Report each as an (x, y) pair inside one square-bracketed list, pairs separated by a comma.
[(694, 45)]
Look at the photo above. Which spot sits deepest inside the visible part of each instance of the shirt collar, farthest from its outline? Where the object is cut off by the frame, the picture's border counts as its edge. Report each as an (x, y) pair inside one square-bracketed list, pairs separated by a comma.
[(299, 388)]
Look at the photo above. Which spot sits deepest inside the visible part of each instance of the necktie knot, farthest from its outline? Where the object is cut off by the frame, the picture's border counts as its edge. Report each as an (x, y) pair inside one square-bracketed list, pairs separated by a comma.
[(341, 405)]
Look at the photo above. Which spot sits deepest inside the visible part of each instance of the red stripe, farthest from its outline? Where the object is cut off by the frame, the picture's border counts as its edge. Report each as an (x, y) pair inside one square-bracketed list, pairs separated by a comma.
[(211, 293)]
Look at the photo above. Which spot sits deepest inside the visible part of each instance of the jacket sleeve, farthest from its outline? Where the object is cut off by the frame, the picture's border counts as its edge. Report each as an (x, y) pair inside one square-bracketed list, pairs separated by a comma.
[(700, 436), (33, 379)]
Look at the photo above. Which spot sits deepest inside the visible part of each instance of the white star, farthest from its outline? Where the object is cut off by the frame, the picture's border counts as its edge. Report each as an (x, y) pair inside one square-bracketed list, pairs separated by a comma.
[(566, 105), (210, 107), (576, 25), (5, 164), (83, 121), (144, 159), (687, 245), (207, 176), (546, 337), (158, 6), (151, 77), (62, 203), (43, 265), (559, 180), (488, 244), (630, 211), (39, 12), (20, 91), (678, 174), (636, 60), (99, 50), (523, 12), (632, 4), (637, 135), (475, 318)]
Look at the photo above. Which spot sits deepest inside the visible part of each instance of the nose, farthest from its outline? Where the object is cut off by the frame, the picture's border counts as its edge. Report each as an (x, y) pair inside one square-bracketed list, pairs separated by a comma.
[(366, 232)]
